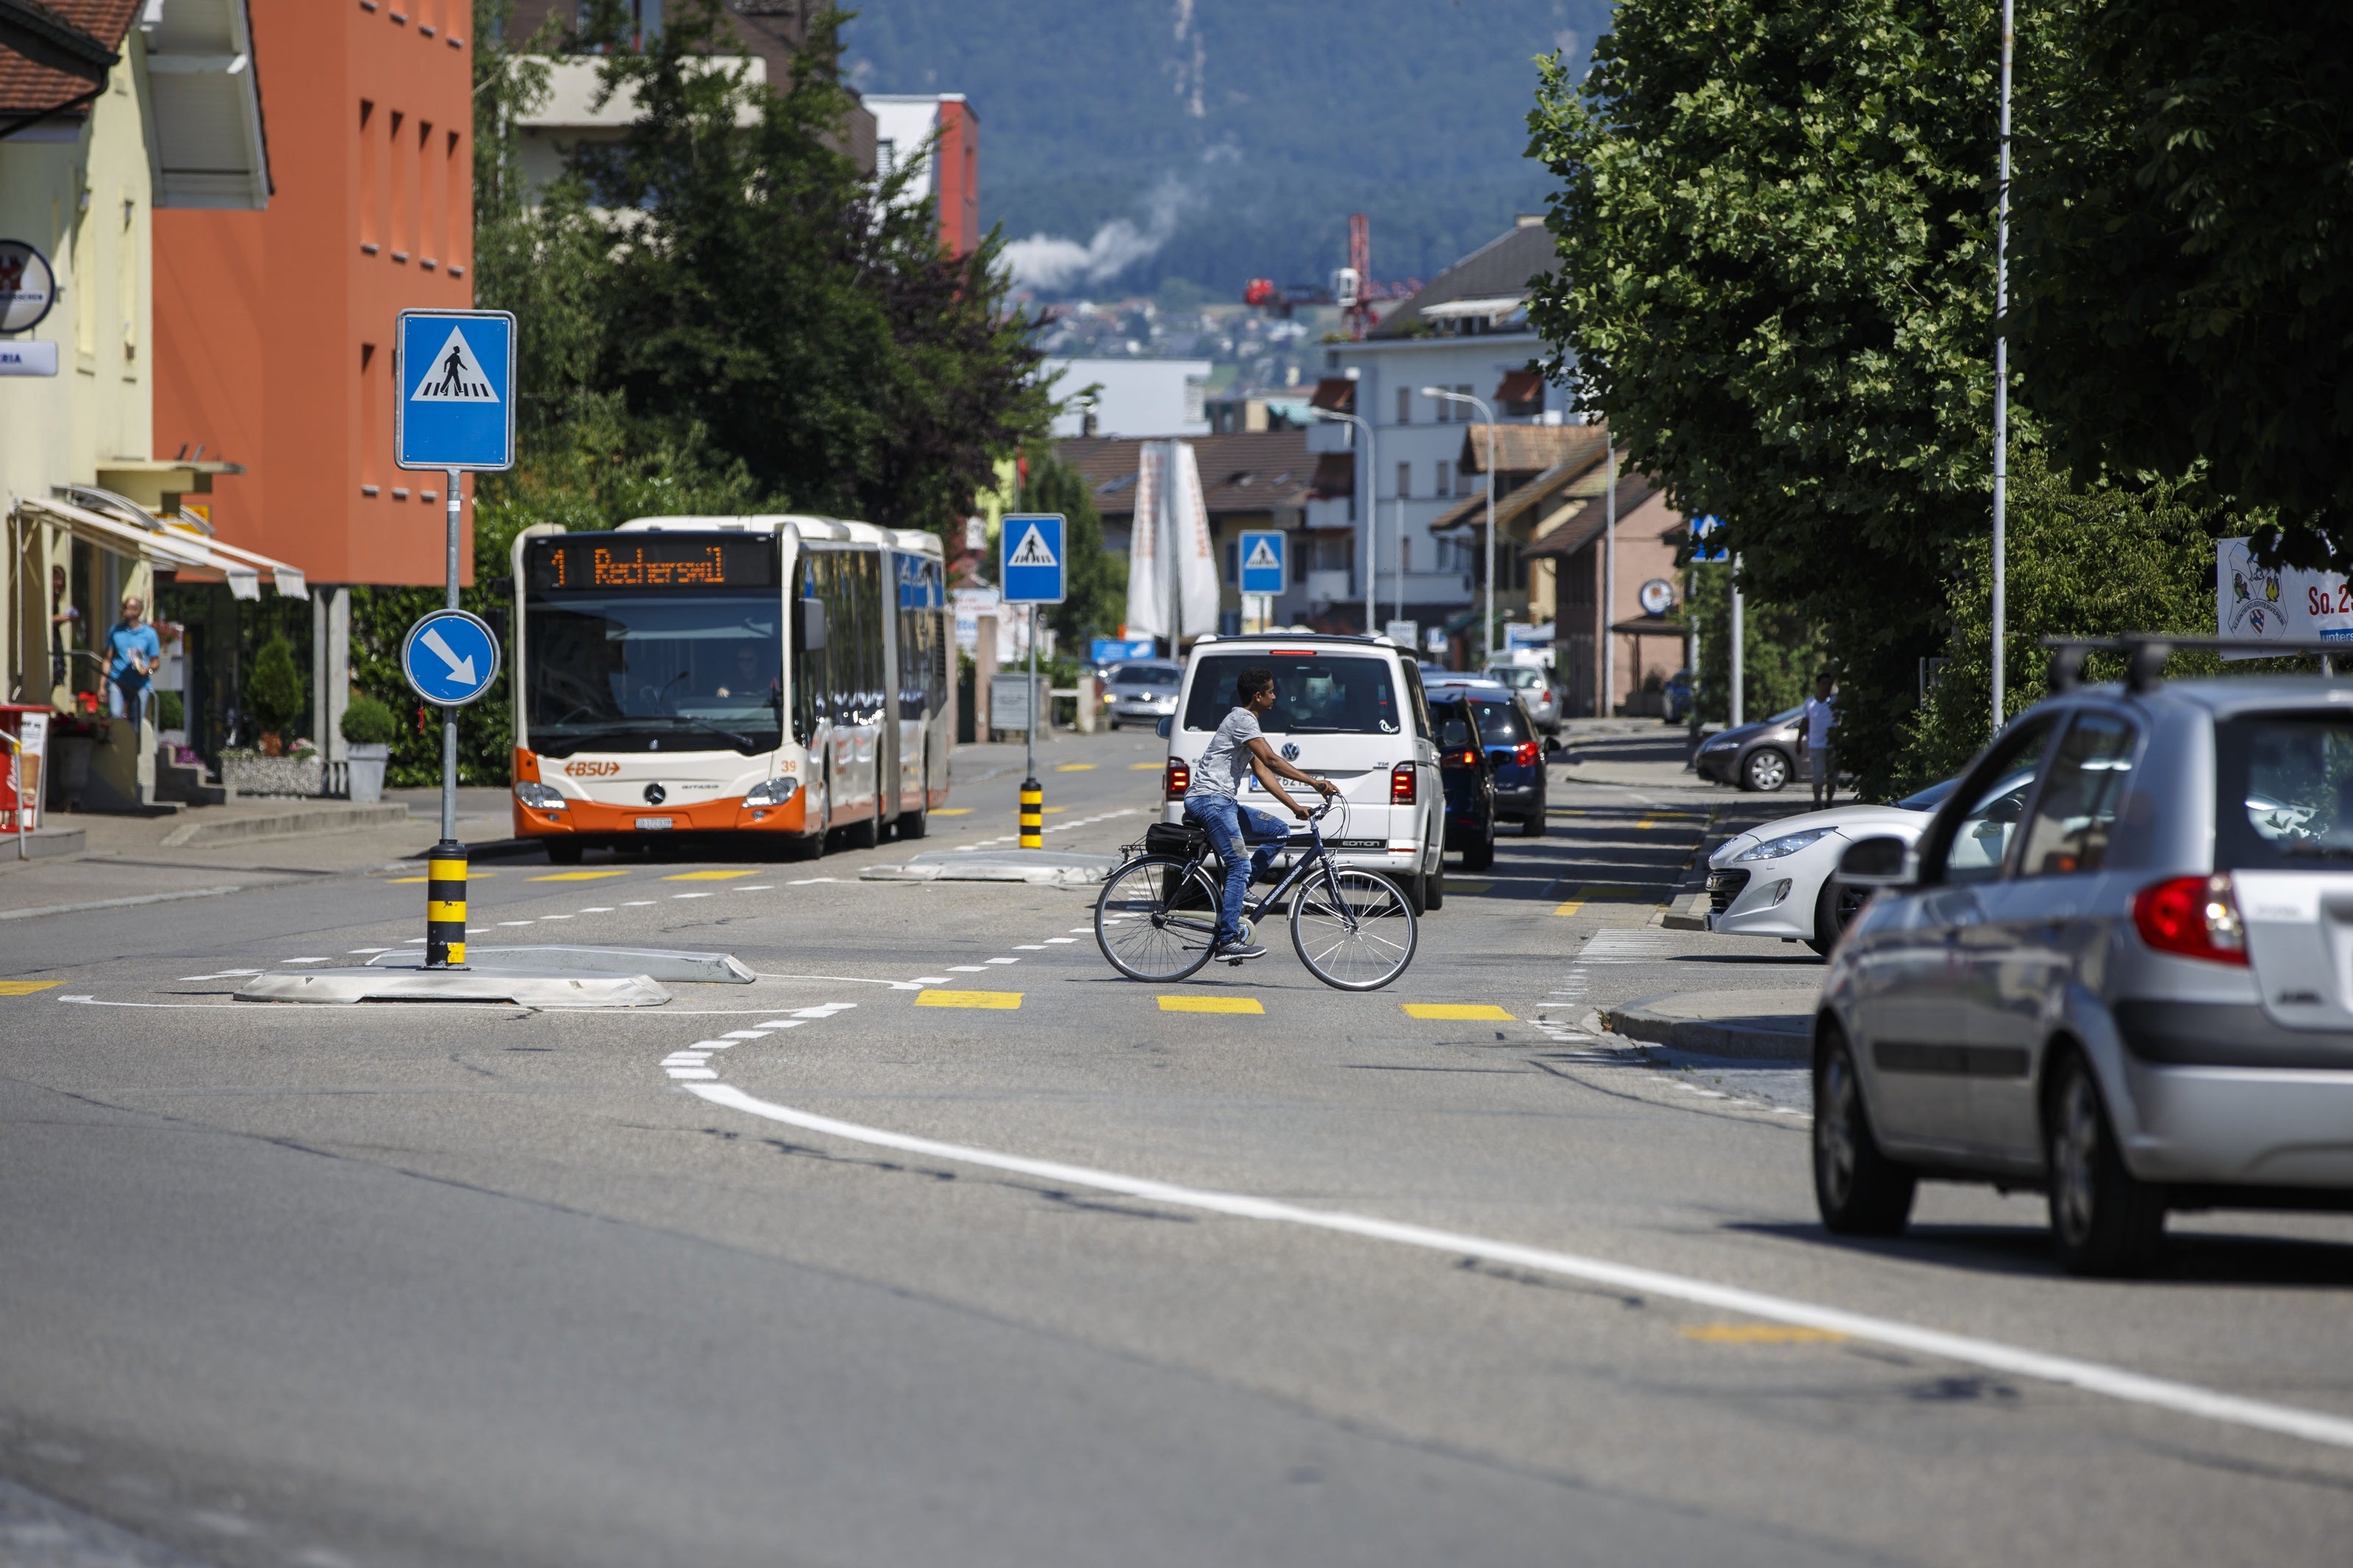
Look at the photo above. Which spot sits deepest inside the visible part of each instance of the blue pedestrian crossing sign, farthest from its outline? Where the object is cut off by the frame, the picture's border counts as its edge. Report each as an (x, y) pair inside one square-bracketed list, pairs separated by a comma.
[(1262, 570), (455, 370), (1034, 569), (450, 657)]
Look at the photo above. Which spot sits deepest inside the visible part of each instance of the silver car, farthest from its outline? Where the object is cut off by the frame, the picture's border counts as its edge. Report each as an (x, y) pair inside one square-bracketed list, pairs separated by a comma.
[(1540, 697), (1142, 692), (2129, 985)]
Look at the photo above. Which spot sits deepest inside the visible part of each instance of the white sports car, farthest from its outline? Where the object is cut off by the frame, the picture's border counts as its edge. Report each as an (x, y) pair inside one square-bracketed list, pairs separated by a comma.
[(1775, 880)]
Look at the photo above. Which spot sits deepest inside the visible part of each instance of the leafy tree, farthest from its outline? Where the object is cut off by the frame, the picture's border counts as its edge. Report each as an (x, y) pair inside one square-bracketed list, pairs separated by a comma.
[(2185, 251), (274, 689), (1773, 217), (760, 287)]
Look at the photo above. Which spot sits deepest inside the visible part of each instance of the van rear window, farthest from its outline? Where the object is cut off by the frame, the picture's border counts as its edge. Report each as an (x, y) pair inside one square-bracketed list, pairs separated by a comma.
[(2284, 795), (1315, 693)]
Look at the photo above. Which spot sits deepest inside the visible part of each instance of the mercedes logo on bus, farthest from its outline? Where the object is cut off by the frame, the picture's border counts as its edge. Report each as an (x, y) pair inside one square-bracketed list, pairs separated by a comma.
[(655, 795)]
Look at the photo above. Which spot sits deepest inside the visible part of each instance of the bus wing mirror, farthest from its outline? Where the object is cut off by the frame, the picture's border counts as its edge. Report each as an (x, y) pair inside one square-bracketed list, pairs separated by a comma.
[(812, 626)]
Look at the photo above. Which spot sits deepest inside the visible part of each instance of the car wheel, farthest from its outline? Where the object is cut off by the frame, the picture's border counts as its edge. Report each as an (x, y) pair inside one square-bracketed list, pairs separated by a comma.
[(1434, 895), (1835, 909), (1480, 854), (1532, 825), (563, 851), (2104, 1219), (1859, 1190), (1765, 770), (1417, 891)]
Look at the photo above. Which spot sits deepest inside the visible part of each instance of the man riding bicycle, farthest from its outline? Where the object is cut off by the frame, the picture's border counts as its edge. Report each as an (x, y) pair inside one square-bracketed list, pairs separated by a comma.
[(1213, 804)]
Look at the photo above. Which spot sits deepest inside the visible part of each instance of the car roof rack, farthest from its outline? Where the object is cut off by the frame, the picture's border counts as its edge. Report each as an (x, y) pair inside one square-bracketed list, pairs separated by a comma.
[(2146, 653)]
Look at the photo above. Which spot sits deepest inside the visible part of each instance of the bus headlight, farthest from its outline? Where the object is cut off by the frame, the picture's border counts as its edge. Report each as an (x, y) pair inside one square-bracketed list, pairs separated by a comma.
[(772, 792), (539, 796)]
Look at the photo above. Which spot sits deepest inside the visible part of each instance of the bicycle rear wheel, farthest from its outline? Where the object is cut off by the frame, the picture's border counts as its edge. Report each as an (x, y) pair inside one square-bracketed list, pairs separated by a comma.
[(1355, 931), (1156, 919)]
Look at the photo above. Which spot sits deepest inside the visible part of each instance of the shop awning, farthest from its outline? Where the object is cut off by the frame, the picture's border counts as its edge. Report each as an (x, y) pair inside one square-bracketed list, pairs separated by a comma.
[(177, 549)]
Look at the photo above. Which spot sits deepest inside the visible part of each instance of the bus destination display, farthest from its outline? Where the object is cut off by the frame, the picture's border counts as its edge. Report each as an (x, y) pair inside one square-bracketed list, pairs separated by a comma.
[(654, 561)]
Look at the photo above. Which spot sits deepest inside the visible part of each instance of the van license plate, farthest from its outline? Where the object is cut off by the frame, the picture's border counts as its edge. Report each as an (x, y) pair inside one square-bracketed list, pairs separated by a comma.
[(653, 823)]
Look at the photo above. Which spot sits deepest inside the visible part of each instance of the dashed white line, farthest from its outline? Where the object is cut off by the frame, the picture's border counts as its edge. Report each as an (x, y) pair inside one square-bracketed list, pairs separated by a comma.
[(953, 969), (231, 973), (930, 980), (2094, 1378), (804, 882), (1003, 960), (1060, 940), (689, 895)]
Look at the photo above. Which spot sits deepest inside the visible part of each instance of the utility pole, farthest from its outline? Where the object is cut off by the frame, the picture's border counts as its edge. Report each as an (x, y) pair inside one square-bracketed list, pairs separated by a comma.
[(1609, 573), (1487, 629), (1372, 480), (2001, 380), (1737, 648)]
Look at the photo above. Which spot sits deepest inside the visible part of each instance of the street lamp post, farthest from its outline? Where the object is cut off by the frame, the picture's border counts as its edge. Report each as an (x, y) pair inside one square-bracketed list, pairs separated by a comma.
[(1372, 528), (1487, 629), (2001, 379)]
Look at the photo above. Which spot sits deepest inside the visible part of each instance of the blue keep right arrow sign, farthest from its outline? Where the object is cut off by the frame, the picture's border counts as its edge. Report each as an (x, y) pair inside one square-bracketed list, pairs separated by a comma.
[(450, 657)]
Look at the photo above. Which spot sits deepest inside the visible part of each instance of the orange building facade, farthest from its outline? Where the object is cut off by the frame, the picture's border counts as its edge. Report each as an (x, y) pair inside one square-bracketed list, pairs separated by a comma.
[(274, 329)]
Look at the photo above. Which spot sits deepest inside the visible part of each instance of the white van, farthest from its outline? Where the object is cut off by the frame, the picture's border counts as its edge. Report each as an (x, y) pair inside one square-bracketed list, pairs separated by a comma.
[(1348, 709)]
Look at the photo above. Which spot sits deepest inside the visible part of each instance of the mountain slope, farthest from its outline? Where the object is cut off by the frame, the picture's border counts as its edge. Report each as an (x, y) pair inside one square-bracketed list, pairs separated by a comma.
[(1220, 139)]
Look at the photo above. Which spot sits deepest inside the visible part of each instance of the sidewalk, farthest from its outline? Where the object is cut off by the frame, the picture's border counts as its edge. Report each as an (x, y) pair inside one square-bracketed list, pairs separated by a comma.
[(1750, 1025)]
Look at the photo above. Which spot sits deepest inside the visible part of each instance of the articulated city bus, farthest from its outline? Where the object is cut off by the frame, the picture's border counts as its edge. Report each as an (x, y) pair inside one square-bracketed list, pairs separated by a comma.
[(756, 675)]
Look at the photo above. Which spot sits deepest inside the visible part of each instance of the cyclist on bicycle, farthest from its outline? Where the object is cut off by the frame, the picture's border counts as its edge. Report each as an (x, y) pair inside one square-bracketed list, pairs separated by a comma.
[(1213, 804)]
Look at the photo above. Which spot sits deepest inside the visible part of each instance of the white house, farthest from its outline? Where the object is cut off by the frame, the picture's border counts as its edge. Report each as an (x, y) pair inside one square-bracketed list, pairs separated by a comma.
[(1142, 398)]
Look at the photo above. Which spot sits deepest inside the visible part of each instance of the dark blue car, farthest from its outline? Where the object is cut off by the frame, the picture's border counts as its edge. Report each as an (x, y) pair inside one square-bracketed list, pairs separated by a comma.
[(1514, 755), (1470, 783)]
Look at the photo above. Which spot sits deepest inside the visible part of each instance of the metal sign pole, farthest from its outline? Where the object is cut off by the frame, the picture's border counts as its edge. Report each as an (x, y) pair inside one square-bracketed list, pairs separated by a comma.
[(1029, 735), (446, 868)]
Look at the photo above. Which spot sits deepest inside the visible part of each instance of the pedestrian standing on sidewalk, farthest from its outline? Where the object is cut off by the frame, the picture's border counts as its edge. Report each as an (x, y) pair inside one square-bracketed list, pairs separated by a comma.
[(61, 617), (1822, 713), (133, 651), (1213, 804)]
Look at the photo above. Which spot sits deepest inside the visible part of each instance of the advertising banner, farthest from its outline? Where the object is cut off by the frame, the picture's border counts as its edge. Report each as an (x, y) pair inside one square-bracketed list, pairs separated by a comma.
[(2286, 603)]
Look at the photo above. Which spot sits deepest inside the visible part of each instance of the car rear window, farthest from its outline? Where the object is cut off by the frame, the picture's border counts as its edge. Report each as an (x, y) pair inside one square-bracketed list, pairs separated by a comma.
[(1315, 693), (1143, 675), (2286, 791), (1500, 723)]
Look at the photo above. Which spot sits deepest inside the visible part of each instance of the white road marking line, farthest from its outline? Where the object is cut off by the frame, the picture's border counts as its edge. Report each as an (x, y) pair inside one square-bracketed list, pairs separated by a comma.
[(409, 941), (2092, 1377), (689, 895), (361, 950), (306, 961), (597, 909), (1002, 960), (230, 974), (953, 969), (686, 1059), (1060, 940), (756, 888), (803, 882), (629, 904), (508, 923), (709, 1045), (782, 1023), (556, 917), (692, 1073), (747, 1033), (930, 980), (1079, 930), (841, 979), (471, 930), (1020, 947)]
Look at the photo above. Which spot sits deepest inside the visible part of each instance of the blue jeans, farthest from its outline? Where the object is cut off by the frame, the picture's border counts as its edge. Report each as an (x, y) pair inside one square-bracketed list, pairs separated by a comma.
[(1228, 823)]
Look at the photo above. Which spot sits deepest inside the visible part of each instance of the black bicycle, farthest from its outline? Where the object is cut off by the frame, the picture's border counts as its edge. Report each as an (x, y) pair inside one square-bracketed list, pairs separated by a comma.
[(1157, 917)]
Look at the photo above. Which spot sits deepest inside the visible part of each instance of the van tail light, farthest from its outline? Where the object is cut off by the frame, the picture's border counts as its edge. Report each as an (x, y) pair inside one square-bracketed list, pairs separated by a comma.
[(2197, 917), (1464, 759), (1524, 753), (1402, 789), (1180, 779)]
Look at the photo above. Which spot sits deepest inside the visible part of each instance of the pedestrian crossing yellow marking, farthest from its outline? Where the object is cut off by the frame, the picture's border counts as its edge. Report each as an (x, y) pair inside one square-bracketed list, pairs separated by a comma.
[(992, 1001), (25, 987), (1210, 1004), (1591, 895), (1074, 767), (704, 876), (1050, 810), (577, 876), (1761, 1334), (1481, 1010), (1457, 884), (951, 811)]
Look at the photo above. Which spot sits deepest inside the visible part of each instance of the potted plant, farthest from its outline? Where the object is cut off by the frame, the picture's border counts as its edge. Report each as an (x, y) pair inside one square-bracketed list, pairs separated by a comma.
[(274, 692), (368, 727)]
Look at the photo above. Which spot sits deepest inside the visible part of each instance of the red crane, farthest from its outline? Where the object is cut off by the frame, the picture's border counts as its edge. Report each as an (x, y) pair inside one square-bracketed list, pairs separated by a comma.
[(1352, 287)]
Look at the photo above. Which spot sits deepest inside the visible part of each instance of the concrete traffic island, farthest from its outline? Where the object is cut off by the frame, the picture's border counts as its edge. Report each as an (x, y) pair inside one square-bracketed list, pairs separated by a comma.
[(1043, 867), (1755, 1025), (542, 977)]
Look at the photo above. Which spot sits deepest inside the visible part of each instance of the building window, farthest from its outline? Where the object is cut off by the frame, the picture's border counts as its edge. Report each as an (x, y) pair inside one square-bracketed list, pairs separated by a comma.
[(1405, 481), (1404, 555), (1233, 561), (1442, 478), (369, 232), (396, 177), (1405, 405), (457, 207), (368, 405)]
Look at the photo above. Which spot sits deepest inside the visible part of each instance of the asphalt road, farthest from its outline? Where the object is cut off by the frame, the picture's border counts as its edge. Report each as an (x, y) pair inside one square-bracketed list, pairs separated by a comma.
[(1071, 1278)]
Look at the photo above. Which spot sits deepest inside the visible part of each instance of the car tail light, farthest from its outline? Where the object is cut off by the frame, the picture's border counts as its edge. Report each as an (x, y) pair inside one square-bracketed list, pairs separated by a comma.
[(1524, 753), (1402, 790), (1180, 779), (1464, 759), (2197, 917)]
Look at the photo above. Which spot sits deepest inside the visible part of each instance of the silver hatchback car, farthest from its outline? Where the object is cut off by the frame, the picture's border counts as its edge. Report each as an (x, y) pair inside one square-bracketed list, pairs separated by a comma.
[(2130, 986)]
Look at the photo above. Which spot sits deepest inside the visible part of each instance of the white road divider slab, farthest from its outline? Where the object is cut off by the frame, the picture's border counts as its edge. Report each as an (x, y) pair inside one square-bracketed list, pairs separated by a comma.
[(1044, 867), (347, 986), (678, 964)]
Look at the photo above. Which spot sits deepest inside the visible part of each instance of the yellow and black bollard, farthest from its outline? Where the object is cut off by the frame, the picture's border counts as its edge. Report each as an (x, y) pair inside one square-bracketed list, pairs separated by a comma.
[(1033, 814), (445, 907)]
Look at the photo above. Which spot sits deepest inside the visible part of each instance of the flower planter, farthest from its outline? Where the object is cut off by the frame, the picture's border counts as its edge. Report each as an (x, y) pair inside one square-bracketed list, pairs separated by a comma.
[(68, 770), (250, 773), (366, 765)]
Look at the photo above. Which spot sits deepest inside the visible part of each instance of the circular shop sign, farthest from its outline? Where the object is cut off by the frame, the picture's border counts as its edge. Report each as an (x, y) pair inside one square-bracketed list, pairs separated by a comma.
[(1658, 596), (27, 287)]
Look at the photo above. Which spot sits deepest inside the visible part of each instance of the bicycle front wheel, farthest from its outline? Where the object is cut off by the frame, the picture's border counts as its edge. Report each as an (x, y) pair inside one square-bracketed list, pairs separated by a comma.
[(1354, 929), (1157, 918)]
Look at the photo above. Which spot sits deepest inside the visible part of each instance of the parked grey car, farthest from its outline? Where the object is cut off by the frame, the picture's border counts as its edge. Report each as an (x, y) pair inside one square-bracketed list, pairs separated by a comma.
[(1142, 692), (1538, 692), (2129, 984), (1761, 756)]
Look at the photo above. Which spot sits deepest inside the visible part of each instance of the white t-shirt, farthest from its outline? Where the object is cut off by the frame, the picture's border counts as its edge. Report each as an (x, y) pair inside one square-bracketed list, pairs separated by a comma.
[(1227, 760), (1819, 712)]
